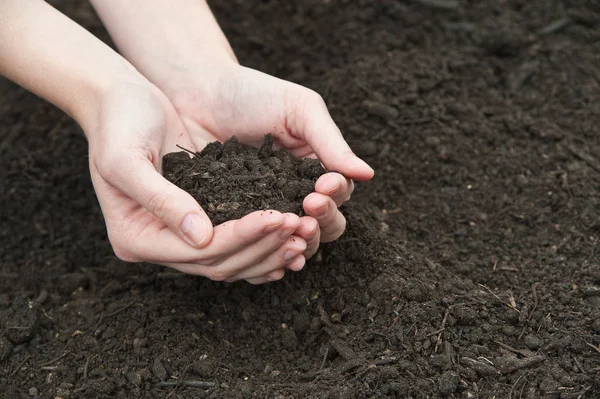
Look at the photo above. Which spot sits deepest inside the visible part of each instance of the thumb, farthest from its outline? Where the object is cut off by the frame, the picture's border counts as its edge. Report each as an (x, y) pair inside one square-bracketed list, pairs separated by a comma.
[(324, 137), (139, 180)]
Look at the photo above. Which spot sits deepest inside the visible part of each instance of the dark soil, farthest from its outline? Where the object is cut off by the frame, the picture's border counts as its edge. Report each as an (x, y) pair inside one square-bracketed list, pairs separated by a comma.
[(470, 267), (231, 180)]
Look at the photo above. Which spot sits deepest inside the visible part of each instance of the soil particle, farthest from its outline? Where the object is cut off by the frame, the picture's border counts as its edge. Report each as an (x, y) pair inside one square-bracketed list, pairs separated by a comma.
[(448, 383), (231, 180), (532, 342), (5, 348), (289, 340), (159, 370), (21, 321)]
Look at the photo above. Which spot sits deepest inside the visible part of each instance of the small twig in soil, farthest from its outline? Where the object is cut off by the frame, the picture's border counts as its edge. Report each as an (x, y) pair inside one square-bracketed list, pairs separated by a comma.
[(351, 364), (342, 349), (324, 318), (381, 362), (441, 4), (498, 298), (188, 383), (579, 365), (410, 328), (592, 251), (87, 364), (480, 367), (403, 122), (19, 366), (185, 149), (324, 359), (517, 351), (535, 300), (515, 384), (442, 327), (55, 360), (116, 312), (591, 161), (555, 26), (436, 332), (364, 371), (513, 364), (596, 348)]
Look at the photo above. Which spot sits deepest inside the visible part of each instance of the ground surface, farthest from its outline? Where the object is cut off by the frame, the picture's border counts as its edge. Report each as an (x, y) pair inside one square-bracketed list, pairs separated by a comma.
[(470, 267)]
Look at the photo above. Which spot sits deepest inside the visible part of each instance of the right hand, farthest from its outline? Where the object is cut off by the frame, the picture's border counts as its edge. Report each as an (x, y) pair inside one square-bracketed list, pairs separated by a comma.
[(149, 219)]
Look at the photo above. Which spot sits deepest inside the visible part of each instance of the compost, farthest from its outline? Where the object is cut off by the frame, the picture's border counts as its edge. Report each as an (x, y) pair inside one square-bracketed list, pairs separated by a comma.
[(230, 180), (470, 267)]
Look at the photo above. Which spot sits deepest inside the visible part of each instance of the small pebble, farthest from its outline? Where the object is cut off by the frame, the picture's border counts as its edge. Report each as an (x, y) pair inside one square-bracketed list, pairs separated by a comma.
[(33, 392), (336, 318)]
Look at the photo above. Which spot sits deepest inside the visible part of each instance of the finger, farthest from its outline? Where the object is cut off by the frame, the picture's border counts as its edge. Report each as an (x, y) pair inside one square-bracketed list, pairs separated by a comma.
[(293, 247), (330, 219), (335, 186), (312, 122), (136, 176), (249, 257), (164, 246), (296, 264), (273, 276), (310, 232)]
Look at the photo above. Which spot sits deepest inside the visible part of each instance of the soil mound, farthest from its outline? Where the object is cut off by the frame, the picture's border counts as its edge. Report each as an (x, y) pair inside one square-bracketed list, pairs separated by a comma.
[(230, 180)]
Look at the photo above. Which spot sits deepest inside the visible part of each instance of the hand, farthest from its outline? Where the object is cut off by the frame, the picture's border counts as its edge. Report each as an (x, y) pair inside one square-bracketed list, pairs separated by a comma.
[(150, 219), (183, 51), (217, 103)]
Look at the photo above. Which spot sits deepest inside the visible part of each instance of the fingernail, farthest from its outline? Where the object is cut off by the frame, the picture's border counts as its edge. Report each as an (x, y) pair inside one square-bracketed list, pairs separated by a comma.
[(332, 190), (272, 228), (194, 227), (289, 255), (286, 233), (322, 209)]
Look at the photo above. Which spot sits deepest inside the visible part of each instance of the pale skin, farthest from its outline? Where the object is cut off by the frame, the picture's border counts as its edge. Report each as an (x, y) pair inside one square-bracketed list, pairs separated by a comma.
[(178, 82)]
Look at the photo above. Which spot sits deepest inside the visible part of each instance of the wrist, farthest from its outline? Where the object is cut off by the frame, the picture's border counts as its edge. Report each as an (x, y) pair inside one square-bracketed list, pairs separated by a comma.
[(194, 80), (97, 88), (167, 43)]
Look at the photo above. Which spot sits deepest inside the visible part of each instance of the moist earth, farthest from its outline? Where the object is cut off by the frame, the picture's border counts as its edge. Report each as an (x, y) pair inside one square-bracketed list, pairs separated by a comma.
[(230, 180), (470, 265)]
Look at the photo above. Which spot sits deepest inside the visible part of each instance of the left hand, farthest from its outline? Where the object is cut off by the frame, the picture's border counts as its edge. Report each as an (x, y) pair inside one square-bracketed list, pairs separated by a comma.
[(217, 103)]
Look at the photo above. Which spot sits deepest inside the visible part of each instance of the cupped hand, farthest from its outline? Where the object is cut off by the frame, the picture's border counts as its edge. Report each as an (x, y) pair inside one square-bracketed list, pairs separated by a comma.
[(150, 219), (217, 102)]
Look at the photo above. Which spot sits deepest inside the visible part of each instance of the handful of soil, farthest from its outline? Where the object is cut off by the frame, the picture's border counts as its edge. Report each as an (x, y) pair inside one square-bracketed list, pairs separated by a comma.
[(230, 180)]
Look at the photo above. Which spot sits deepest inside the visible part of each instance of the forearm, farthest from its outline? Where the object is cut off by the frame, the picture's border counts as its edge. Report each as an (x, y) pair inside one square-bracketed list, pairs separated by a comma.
[(161, 35), (52, 56)]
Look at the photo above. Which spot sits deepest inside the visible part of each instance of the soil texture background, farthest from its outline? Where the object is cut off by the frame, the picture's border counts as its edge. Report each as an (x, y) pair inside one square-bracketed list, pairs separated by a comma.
[(470, 268)]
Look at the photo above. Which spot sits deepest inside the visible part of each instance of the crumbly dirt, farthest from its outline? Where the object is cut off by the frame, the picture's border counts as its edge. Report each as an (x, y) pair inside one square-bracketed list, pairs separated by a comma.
[(230, 180), (470, 267)]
